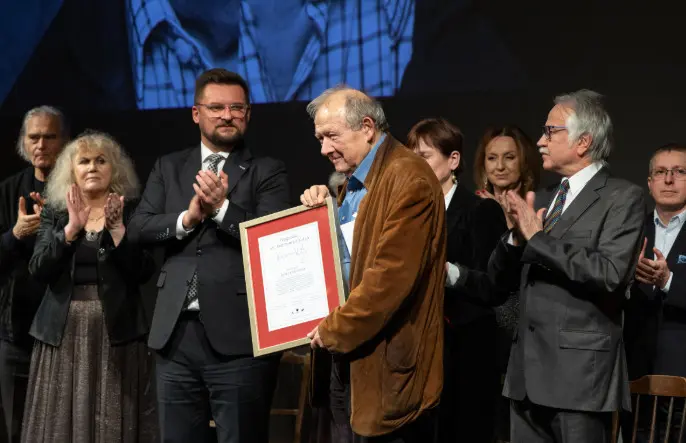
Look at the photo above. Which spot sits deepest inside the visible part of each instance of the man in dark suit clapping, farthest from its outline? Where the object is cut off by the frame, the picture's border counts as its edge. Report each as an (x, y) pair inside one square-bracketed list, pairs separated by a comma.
[(192, 206), (655, 324), (573, 266)]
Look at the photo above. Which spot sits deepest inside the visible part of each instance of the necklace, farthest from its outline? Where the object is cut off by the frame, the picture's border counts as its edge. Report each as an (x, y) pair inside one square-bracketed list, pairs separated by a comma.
[(96, 219), (91, 235)]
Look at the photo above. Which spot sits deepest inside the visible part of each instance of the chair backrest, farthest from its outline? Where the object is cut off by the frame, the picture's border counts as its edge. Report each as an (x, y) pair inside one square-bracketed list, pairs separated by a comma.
[(657, 386)]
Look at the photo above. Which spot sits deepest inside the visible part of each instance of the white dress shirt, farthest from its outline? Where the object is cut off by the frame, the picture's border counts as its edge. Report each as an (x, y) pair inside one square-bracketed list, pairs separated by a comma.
[(577, 183), (665, 235), (205, 152), (181, 231), (453, 274)]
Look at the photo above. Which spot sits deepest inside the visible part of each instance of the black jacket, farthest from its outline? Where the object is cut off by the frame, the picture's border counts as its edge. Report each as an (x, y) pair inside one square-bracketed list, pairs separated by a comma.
[(474, 228), (20, 294), (655, 321), (120, 272), (257, 187)]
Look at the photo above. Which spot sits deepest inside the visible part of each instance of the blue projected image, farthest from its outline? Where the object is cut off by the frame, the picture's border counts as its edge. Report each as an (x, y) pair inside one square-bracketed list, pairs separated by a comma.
[(285, 49)]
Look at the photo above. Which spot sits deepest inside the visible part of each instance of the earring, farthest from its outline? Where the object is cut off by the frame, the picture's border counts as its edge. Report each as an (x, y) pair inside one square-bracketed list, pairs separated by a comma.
[(453, 176), (485, 182)]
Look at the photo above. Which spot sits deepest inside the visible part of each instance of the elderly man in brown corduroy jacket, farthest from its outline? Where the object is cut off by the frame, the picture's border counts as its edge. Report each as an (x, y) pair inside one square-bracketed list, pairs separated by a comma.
[(390, 329)]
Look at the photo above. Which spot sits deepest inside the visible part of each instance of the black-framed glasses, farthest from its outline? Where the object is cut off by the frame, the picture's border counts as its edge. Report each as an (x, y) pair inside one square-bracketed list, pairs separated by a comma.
[(216, 109), (549, 130), (661, 173)]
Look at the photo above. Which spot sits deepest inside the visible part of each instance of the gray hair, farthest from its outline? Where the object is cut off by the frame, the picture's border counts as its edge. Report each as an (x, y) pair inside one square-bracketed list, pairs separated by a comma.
[(124, 179), (591, 118), (357, 107), (41, 110)]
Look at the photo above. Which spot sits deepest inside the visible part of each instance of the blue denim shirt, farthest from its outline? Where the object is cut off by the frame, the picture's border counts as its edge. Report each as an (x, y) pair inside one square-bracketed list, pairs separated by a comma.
[(353, 197)]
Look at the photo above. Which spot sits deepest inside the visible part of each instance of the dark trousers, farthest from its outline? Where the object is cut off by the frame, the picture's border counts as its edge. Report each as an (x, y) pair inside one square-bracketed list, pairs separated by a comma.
[(422, 430), (339, 402), (14, 377), (532, 423), (471, 383), (196, 384)]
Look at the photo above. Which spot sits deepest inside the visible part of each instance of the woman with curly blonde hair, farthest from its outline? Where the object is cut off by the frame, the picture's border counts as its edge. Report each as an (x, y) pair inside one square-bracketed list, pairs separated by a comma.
[(85, 382)]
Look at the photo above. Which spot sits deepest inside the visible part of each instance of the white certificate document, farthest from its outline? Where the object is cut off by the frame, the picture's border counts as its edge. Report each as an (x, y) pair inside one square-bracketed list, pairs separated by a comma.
[(347, 231), (293, 276)]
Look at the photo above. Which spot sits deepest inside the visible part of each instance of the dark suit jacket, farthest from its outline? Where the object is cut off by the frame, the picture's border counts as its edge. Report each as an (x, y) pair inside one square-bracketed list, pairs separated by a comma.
[(474, 227), (20, 294), (257, 187), (655, 321), (121, 270), (568, 352)]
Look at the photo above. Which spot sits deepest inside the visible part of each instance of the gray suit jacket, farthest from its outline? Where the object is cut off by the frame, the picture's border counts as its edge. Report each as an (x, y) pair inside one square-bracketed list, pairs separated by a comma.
[(568, 352)]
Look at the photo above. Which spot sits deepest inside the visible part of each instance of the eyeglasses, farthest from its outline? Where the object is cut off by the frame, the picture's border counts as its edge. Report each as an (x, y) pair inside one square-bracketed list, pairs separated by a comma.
[(548, 130), (661, 173), (216, 109)]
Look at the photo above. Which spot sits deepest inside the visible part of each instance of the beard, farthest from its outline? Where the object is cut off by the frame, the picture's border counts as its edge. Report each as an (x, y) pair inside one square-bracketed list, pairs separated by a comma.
[(222, 140)]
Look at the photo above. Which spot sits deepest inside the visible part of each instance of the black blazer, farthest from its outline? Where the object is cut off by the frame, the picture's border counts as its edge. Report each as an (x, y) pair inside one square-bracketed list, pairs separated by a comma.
[(20, 294), (474, 228), (120, 271), (655, 322), (257, 187), (568, 351)]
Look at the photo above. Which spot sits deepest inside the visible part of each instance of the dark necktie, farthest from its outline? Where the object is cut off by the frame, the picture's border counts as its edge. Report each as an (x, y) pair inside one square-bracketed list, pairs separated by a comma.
[(552, 218), (212, 162)]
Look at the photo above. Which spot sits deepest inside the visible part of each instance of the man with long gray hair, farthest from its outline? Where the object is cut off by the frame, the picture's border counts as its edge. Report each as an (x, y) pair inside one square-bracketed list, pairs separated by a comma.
[(387, 339), (572, 254), (43, 135)]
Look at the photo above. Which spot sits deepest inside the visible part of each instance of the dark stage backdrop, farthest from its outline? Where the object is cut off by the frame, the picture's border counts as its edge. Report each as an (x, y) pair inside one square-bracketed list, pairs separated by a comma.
[(475, 62), (643, 120)]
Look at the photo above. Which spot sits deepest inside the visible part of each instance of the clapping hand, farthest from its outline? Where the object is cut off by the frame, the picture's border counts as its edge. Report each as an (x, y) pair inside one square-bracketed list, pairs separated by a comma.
[(652, 272), (211, 190), (528, 221), (38, 202), (27, 224), (114, 217), (78, 213), (114, 212)]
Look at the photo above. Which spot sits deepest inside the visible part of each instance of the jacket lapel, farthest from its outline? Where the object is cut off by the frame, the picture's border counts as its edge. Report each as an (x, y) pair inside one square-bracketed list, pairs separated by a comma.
[(678, 246), (189, 170), (236, 165), (581, 203), (453, 210), (650, 236)]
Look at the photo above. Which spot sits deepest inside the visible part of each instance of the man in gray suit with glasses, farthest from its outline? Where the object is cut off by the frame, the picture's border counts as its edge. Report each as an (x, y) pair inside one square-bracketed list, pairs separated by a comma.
[(571, 252)]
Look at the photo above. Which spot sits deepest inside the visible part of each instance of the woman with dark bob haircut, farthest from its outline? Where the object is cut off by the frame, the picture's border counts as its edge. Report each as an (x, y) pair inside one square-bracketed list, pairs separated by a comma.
[(471, 380)]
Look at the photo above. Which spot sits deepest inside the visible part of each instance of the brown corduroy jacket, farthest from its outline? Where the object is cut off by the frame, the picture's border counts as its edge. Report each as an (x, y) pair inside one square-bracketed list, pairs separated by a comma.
[(392, 323)]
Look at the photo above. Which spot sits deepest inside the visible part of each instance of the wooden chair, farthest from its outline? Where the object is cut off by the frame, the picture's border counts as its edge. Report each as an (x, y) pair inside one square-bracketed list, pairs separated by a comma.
[(656, 386), (303, 360)]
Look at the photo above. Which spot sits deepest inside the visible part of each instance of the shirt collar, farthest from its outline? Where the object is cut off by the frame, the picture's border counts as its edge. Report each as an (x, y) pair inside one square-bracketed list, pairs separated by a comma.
[(206, 152), (449, 195), (680, 218), (578, 181), (360, 174), (146, 17)]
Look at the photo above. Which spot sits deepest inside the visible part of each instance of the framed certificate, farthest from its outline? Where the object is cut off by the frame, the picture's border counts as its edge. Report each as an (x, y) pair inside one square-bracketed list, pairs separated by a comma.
[(293, 274)]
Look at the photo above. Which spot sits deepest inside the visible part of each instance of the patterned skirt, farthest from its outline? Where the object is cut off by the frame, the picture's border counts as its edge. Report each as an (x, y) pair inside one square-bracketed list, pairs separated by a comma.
[(86, 391)]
